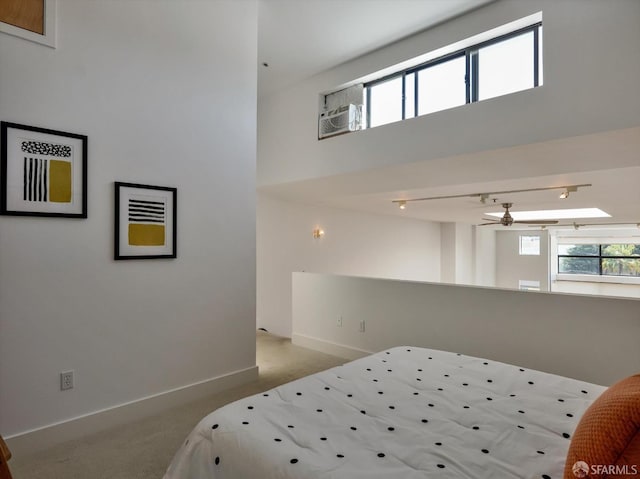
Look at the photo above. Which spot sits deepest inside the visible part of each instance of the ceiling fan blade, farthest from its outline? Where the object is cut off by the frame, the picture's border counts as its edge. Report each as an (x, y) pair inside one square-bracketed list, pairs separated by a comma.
[(489, 224), (538, 222)]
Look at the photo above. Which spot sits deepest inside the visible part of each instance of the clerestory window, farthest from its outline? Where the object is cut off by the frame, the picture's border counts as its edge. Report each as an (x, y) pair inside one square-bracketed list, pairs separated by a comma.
[(502, 65)]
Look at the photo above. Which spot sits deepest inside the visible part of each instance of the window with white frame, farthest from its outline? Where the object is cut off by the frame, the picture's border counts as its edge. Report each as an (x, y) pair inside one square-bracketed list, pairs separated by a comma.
[(599, 259), (502, 65), (529, 245)]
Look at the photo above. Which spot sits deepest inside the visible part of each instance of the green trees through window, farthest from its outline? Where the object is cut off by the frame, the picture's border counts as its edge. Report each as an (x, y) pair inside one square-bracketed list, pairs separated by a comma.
[(599, 259)]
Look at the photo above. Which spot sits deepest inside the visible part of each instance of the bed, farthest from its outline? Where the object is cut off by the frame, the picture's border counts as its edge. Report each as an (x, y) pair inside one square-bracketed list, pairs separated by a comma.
[(405, 413)]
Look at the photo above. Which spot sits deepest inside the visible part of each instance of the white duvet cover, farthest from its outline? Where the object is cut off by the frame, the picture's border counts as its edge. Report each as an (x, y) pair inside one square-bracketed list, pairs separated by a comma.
[(403, 413)]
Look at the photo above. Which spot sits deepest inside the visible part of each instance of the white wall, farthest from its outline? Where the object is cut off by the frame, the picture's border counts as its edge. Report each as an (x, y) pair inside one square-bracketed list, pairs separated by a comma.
[(448, 253), (579, 38), (458, 254), (465, 254), (589, 338), (484, 242), (355, 243), (511, 266), (166, 92)]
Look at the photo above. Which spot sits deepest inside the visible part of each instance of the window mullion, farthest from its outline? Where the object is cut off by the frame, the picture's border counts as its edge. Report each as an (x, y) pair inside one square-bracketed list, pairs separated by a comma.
[(599, 260), (536, 53), (467, 76), (368, 119), (475, 72), (404, 96), (415, 94)]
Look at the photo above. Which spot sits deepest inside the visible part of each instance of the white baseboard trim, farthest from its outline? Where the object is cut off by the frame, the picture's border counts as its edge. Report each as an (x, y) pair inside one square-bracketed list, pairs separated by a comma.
[(328, 347), (36, 440)]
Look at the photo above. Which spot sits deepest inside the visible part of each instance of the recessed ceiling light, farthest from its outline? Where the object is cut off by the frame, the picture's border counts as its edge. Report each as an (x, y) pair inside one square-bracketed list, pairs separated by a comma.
[(554, 214)]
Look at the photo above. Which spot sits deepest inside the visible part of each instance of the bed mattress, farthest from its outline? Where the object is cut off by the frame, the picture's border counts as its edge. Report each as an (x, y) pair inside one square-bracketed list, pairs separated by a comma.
[(406, 412)]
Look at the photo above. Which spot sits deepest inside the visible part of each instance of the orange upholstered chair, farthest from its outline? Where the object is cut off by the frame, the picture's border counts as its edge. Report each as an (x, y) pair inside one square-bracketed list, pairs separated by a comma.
[(606, 443), (5, 455)]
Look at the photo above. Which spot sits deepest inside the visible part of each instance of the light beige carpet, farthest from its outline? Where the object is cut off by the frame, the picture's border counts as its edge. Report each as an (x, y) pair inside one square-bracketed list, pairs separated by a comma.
[(143, 450)]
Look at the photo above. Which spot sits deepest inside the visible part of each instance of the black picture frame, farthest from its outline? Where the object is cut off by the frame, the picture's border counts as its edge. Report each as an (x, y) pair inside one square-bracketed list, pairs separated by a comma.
[(145, 221), (43, 172)]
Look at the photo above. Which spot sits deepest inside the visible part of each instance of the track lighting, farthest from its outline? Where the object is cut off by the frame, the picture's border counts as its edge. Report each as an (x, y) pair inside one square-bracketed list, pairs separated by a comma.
[(570, 189), (486, 195)]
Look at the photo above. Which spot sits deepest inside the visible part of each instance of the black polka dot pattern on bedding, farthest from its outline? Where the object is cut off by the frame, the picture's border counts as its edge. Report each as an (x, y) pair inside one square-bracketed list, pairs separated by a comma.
[(397, 405)]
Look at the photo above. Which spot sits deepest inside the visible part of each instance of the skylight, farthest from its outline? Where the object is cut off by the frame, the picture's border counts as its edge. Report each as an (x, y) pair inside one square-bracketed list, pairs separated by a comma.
[(554, 214)]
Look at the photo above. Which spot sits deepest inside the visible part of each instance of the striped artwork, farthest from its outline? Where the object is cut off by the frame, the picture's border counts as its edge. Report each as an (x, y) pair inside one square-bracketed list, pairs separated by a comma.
[(147, 222), (35, 179), (45, 179)]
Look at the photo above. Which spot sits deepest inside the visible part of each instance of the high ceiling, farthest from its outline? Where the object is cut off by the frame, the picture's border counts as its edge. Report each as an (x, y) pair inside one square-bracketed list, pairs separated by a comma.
[(300, 38)]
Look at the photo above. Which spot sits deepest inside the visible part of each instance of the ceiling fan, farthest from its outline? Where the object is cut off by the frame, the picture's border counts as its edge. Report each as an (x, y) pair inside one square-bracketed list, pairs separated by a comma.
[(507, 219)]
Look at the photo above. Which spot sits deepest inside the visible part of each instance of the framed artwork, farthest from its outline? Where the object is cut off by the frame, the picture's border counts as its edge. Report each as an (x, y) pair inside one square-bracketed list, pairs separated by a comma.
[(33, 20), (42, 172), (145, 221)]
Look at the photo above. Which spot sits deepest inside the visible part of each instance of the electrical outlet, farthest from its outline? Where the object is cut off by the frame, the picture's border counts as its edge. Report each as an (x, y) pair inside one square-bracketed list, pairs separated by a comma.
[(339, 321), (66, 380), (362, 326)]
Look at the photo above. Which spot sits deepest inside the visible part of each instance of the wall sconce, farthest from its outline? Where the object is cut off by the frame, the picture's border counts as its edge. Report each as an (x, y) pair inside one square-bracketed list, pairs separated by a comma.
[(318, 233)]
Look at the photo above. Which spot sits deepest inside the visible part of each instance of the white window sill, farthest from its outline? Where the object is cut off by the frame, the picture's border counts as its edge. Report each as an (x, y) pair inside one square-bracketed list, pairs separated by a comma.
[(592, 278)]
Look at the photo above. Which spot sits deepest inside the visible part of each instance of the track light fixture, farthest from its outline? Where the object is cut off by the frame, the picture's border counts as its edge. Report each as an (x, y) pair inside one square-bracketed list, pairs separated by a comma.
[(570, 189), (485, 196)]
